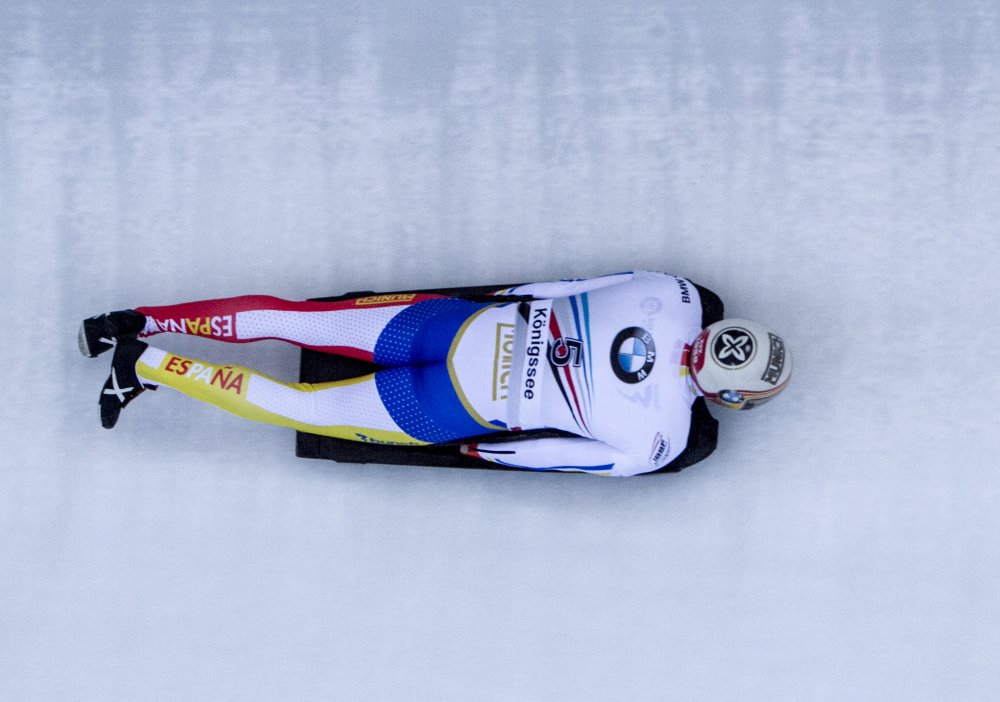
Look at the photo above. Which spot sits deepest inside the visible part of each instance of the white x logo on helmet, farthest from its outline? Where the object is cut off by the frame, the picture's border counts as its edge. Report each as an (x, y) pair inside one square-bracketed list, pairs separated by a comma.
[(738, 347)]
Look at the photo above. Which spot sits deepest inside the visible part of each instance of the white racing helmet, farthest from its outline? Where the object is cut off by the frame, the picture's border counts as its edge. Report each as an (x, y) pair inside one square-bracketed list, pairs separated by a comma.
[(739, 364)]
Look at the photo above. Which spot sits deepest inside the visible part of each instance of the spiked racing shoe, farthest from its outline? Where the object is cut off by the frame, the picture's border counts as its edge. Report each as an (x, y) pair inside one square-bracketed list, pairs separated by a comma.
[(123, 385), (100, 333)]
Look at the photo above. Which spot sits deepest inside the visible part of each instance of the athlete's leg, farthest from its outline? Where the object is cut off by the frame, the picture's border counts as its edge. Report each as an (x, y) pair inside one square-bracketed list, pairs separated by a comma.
[(389, 330), (408, 405), (349, 409), (349, 327)]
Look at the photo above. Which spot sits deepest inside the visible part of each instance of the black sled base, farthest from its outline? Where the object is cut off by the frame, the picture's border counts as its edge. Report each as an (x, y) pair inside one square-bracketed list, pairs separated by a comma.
[(316, 367)]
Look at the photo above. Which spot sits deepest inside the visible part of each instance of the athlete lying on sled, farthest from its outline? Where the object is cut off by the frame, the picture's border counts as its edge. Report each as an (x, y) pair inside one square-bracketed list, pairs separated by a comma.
[(618, 364)]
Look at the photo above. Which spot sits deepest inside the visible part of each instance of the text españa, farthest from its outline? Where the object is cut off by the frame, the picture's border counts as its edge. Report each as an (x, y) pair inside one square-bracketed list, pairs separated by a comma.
[(223, 377)]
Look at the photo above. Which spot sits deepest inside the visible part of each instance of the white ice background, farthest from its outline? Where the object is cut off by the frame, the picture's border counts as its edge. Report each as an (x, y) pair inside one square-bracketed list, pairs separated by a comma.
[(832, 170)]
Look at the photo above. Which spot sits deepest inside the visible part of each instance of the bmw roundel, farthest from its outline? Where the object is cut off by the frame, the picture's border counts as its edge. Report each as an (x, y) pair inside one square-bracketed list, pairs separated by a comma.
[(633, 354)]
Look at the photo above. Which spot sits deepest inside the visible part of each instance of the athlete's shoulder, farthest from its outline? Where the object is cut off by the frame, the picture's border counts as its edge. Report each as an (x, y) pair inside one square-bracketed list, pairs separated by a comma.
[(702, 438), (712, 307)]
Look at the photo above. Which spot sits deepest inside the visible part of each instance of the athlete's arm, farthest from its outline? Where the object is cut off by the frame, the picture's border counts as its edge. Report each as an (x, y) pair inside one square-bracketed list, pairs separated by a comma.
[(562, 454), (571, 286)]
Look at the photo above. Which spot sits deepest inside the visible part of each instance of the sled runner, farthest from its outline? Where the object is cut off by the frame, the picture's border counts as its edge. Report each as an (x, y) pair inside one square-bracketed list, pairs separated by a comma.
[(318, 367)]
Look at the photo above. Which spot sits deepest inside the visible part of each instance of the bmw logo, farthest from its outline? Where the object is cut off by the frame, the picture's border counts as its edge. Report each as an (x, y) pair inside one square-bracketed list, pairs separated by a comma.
[(734, 348), (633, 354), (733, 397)]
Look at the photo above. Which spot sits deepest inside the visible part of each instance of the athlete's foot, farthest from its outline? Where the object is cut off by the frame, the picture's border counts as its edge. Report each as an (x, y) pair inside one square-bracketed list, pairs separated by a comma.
[(100, 333), (123, 385)]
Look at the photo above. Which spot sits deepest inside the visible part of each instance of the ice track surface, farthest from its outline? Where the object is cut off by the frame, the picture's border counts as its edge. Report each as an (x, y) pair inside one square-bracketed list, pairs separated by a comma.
[(833, 172)]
